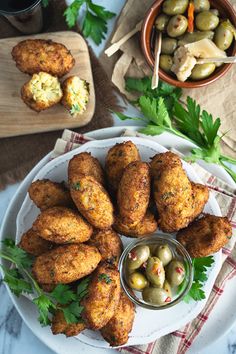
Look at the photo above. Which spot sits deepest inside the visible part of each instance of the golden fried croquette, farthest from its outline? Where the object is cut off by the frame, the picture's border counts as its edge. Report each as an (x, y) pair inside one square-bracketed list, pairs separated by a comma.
[(41, 92), (146, 226), (92, 201), (59, 325), (87, 165), (66, 264), (75, 95), (206, 235), (103, 296), (109, 245), (118, 157), (134, 192), (200, 198), (33, 244), (62, 225), (116, 331), (35, 55), (172, 192), (47, 194)]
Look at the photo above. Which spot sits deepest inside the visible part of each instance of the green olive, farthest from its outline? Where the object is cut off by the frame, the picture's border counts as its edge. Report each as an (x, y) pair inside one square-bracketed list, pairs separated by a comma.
[(137, 256), (137, 281), (167, 288), (177, 26), (155, 271), (223, 37), (168, 45), (164, 253), (166, 62), (202, 71), (175, 7), (161, 22), (206, 21), (201, 5), (215, 12), (155, 296), (195, 36), (175, 273)]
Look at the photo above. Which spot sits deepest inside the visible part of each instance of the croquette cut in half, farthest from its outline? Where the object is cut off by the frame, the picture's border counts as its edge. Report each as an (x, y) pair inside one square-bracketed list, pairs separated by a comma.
[(35, 55), (75, 95), (42, 91)]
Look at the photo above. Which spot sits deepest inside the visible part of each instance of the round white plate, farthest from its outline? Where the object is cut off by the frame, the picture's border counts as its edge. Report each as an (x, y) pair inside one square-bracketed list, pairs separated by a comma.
[(27, 310), (146, 328)]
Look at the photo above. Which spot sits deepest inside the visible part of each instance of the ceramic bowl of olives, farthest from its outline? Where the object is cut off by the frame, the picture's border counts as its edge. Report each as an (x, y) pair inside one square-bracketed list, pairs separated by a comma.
[(206, 28), (156, 271)]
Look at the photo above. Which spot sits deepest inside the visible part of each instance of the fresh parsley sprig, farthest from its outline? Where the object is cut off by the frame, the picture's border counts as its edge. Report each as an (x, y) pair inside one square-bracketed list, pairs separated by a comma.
[(200, 266), (94, 23), (164, 111), (20, 280)]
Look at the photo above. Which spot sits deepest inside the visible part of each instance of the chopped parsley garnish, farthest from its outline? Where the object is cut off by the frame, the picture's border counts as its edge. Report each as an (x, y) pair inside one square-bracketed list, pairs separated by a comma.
[(105, 277)]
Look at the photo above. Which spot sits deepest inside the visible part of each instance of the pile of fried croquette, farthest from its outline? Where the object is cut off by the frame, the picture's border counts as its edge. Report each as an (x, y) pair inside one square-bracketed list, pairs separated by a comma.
[(78, 230), (48, 61)]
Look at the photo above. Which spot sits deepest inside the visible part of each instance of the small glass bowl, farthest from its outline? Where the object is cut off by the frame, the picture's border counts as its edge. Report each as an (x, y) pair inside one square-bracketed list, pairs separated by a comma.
[(178, 251)]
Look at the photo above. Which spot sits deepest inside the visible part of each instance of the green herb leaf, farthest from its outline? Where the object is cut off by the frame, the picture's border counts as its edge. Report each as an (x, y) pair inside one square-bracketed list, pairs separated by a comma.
[(16, 282), (138, 85), (71, 13), (105, 277), (45, 306), (152, 130), (63, 294), (16, 254), (209, 127), (122, 116), (95, 27), (72, 313), (196, 293), (45, 3), (82, 288), (100, 11), (76, 186)]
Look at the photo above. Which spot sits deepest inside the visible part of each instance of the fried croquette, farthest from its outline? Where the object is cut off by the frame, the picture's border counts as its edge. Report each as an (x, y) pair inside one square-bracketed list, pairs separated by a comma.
[(118, 157), (60, 326), (134, 192), (200, 198), (47, 194), (66, 264), (33, 244), (35, 55), (62, 225), (75, 95), (146, 226), (103, 296), (86, 165), (92, 201), (206, 235), (172, 192), (116, 331), (41, 92), (109, 245)]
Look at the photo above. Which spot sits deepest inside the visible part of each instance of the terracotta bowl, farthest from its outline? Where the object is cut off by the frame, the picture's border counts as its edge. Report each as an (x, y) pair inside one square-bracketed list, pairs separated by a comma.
[(226, 11)]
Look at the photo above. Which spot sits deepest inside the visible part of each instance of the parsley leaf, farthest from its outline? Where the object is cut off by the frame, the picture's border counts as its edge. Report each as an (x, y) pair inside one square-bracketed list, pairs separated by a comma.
[(45, 3), (105, 277), (200, 266), (94, 23), (63, 294), (16, 282), (72, 313), (45, 306), (82, 288), (16, 254)]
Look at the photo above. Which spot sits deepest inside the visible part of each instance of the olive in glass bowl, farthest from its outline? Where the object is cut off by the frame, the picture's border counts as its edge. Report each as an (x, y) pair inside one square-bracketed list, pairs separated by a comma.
[(156, 271)]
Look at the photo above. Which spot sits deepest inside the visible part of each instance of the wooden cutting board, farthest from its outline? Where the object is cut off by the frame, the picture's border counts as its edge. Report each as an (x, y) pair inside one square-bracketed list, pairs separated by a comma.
[(18, 119)]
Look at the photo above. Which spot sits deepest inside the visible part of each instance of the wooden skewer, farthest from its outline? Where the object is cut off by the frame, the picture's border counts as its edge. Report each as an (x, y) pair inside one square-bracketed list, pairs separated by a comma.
[(116, 46), (155, 77), (217, 60)]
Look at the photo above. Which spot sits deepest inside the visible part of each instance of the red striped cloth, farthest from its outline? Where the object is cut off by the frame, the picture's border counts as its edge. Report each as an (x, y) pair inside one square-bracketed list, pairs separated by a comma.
[(180, 341)]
